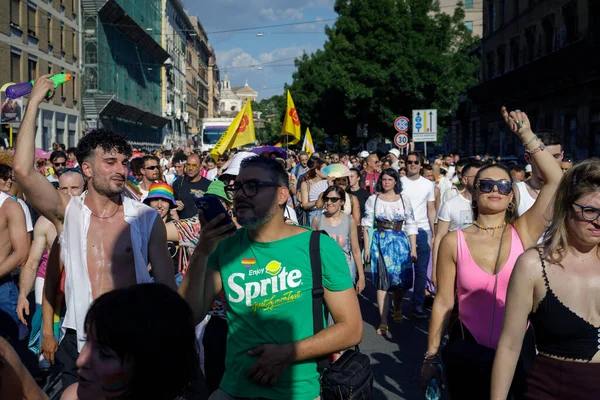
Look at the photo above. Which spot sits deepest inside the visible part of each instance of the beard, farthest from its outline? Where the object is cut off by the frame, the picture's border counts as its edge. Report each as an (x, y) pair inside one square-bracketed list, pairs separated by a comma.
[(104, 187), (257, 217)]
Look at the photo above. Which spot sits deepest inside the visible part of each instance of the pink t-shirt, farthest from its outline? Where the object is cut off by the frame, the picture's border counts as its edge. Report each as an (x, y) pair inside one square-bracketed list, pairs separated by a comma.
[(475, 289)]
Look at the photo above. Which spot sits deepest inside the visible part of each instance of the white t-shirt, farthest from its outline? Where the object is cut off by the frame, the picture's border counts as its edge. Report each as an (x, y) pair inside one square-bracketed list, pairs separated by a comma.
[(420, 192), (458, 212), (525, 199), (211, 175)]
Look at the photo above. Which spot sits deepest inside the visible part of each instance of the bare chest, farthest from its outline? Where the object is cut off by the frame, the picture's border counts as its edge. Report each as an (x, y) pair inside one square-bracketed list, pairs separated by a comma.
[(110, 258)]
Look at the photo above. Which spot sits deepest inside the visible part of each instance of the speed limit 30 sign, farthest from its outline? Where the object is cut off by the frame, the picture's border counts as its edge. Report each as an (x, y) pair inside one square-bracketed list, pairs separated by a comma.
[(401, 140)]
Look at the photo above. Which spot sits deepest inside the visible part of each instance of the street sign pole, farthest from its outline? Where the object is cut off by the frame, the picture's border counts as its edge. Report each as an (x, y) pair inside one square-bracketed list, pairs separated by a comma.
[(425, 143)]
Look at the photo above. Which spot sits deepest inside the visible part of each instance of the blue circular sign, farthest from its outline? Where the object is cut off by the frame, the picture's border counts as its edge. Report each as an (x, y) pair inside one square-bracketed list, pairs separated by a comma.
[(401, 124), (329, 142), (418, 125), (418, 119)]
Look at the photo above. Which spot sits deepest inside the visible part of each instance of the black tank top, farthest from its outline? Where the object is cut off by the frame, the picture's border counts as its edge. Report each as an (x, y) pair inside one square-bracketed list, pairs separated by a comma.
[(559, 331)]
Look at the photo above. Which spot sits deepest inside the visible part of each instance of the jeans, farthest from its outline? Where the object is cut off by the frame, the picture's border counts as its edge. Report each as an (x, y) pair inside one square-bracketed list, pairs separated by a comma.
[(423, 254), (9, 321)]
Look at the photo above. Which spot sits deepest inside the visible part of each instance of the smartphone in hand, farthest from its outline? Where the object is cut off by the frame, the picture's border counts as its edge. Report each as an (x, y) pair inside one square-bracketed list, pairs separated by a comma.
[(211, 207)]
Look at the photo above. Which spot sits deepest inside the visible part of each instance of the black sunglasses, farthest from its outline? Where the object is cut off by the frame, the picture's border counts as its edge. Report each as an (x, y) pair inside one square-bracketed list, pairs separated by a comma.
[(332, 199), (152, 167), (487, 186), (59, 164), (250, 187), (588, 213), (413, 162)]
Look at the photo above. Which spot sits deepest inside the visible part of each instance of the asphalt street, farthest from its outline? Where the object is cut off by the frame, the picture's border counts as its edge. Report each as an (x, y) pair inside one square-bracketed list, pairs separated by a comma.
[(395, 359)]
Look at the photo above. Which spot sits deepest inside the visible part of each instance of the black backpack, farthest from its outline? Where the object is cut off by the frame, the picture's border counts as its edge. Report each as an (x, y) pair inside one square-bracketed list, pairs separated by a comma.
[(350, 377)]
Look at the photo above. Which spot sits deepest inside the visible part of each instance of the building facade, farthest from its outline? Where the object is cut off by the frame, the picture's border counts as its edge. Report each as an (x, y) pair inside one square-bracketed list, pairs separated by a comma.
[(176, 29), (122, 62), (233, 98), (473, 13), (214, 85), (192, 84), (540, 57), (37, 38), (204, 53)]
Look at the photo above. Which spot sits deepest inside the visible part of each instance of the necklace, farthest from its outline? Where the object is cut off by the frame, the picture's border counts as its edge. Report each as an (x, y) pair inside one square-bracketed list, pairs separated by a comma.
[(115, 213), (489, 228)]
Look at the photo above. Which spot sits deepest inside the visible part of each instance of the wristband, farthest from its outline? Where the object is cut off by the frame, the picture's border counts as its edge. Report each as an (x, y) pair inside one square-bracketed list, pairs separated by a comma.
[(541, 147), (531, 140)]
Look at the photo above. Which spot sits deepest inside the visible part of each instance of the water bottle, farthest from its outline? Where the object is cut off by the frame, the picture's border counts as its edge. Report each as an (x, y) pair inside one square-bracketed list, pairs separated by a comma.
[(434, 387), (433, 391)]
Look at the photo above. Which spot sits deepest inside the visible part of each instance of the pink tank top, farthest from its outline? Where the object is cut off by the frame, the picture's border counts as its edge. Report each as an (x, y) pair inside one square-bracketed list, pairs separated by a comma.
[(475, 289), (41, 271)]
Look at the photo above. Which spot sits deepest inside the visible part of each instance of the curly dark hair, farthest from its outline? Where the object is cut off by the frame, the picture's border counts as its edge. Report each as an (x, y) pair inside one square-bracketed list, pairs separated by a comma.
[(131, 321), (57, 154), (5, 171), (105, 139)]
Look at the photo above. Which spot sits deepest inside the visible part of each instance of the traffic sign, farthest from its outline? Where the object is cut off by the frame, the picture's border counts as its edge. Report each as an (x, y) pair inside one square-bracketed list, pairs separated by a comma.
[(401, 140), (329, 142), (401, 124), (424, 127)]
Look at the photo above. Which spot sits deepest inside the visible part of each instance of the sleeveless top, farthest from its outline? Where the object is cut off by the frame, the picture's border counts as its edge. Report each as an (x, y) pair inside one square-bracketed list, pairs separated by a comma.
[(340, 233), (559, 331), (475, 289), (525, 199)]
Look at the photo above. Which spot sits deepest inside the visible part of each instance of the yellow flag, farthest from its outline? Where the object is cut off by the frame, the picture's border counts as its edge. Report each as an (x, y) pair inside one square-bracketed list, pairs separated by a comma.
[(290, 131), (308, 145), (239, 133)]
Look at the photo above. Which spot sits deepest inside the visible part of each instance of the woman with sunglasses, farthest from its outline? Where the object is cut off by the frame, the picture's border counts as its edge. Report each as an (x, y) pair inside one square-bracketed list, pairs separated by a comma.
[(351, 204), (342, 228), (556, 287), (476, 263), (388, 248)]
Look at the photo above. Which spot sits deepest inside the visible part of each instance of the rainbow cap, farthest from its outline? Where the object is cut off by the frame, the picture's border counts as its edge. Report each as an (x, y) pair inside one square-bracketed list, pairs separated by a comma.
[(161, 190)]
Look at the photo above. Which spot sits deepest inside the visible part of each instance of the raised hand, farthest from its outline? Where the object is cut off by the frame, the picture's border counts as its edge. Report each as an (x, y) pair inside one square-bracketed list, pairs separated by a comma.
[(41, 87), (517, 121)]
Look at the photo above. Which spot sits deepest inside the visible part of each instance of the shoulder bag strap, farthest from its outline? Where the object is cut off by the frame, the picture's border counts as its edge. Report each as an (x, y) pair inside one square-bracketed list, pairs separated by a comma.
[(317, 291)]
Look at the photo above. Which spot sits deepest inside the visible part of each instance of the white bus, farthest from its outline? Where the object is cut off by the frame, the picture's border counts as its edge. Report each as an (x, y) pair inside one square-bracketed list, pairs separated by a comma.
[(211, 130)]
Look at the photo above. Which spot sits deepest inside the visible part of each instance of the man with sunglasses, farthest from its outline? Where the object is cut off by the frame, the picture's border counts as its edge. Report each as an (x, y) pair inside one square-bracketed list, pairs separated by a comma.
[(189, 187), (59, 160), (265, 271), (421, 193), (150, 174), (370, 175)]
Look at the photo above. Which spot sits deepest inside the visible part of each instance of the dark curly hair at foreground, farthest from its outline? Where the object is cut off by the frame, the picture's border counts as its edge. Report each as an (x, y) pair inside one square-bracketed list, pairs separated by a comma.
[(154, 327), (105, 139)]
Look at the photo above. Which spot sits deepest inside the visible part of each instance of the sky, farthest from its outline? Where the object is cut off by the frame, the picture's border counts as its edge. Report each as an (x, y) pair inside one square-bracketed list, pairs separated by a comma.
[(266, 61)]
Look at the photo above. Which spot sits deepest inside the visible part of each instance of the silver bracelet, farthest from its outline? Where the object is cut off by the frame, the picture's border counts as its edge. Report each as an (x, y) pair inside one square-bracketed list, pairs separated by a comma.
[(531, 140)]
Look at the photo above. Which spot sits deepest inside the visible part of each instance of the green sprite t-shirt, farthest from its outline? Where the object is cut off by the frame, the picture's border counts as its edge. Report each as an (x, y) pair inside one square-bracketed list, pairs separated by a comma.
[(268, 288)]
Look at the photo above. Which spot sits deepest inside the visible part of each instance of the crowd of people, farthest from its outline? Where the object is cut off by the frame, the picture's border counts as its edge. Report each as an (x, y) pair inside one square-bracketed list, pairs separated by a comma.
[(117, 281)]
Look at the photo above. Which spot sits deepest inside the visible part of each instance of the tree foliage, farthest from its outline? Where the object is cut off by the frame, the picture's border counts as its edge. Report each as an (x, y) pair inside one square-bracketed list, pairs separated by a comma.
[(382, 59)]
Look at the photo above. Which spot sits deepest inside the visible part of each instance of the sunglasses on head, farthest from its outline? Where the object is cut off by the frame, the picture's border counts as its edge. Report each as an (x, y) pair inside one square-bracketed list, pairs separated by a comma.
[(487, 186), (65, 170), (332, 199)]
